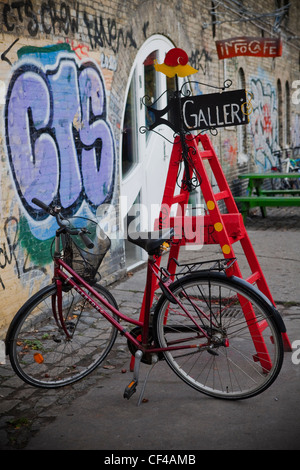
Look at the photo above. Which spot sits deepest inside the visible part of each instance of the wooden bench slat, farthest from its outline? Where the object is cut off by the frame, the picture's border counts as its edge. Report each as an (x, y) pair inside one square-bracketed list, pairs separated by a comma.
[(272, 192), (266, 200), (248, 202)]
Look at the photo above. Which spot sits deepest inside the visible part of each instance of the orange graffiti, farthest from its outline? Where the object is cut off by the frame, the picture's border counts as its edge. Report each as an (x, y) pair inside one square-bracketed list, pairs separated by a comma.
[(230, 152), (79, 49), (267, 122)]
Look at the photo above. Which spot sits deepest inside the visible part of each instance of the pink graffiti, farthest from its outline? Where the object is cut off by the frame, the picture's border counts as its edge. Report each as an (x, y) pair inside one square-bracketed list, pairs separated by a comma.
[(267, 121)]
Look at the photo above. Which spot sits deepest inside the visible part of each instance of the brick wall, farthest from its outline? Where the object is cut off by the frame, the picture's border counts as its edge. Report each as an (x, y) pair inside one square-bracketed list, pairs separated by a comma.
[(58, 58)]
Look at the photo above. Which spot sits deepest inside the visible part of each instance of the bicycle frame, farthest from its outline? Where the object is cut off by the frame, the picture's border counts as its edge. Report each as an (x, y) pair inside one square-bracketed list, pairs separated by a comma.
[(143, 346), (152, 267)]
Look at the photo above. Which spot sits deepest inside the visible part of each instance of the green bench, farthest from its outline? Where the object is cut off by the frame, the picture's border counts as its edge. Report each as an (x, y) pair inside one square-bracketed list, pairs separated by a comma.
[(248, 202), (259, 197)]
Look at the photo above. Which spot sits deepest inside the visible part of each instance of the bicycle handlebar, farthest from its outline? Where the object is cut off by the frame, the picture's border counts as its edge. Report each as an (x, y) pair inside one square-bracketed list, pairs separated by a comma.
[(86, 240), (55, 212), (43, 206)]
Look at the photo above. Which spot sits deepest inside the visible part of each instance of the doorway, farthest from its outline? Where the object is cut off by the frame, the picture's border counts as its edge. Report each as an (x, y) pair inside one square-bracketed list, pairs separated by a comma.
[(145, 155)]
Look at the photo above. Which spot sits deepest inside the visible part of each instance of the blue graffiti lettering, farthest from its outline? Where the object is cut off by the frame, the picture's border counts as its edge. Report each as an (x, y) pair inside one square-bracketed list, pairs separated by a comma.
[(59, 141)]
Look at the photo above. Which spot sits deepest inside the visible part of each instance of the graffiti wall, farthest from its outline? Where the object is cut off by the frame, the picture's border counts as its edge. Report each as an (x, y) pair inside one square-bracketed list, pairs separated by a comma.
[(60, 129), (62, 154), (58, 147), (264, 123)]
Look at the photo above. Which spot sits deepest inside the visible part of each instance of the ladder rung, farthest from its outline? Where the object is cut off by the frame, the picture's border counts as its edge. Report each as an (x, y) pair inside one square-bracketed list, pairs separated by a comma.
[(254, 277), (206, 154), (179, 198), (221, 195)]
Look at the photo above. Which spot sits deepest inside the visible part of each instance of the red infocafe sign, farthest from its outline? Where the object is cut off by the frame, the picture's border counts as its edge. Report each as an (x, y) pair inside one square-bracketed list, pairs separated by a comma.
[(259, 47)]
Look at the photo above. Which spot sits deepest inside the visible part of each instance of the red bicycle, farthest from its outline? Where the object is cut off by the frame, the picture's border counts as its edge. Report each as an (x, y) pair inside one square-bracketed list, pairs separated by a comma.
[(219, 334)]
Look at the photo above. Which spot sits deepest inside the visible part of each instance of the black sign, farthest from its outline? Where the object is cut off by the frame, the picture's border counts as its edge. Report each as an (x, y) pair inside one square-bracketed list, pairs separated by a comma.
[(214, 110), (203, 111)]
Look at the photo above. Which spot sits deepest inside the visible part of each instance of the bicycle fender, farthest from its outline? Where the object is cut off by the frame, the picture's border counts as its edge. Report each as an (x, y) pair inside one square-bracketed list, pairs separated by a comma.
[(20, 312), (247, 286), (262, 297)]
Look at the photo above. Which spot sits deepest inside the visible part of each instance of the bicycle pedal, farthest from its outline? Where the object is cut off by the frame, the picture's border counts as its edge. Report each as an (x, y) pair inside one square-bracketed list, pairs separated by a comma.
[(130, 389)]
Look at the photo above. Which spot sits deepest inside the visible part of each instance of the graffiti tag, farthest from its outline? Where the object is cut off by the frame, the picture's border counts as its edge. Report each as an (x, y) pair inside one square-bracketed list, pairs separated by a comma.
[(263, 121), (59, 142), (52, 19)]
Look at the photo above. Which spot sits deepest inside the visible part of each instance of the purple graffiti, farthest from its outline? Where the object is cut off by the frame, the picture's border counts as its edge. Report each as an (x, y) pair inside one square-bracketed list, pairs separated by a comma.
[(59, 142), (32, 149), (95, 136)]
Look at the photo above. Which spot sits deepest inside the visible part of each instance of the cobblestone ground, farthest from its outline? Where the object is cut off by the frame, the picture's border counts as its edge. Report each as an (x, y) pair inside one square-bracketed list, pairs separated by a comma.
[(283, 218), (24, 409)]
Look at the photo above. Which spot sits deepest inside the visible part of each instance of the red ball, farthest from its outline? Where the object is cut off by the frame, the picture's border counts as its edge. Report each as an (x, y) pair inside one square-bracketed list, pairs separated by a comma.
[(175, 57)]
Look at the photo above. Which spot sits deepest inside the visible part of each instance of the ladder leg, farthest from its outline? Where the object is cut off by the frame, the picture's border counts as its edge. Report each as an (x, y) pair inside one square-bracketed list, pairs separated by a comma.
[(216, 218)]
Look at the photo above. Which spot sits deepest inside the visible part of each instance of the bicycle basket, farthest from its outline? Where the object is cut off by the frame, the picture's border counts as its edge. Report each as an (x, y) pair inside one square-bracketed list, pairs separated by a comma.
[(82, 260)]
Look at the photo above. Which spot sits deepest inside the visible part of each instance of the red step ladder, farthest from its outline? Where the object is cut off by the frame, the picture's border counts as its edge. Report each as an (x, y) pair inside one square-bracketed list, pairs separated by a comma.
[(219, 228)]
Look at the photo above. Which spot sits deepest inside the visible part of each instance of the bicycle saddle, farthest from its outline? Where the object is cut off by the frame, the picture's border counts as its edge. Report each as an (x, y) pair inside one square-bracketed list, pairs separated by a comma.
[(151, 241)]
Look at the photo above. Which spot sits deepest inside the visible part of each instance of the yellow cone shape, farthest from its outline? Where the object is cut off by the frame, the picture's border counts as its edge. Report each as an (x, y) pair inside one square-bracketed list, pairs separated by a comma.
[(180, 70)]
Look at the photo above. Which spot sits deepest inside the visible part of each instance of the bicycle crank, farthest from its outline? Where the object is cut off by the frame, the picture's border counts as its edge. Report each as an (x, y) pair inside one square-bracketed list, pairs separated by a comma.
[(136, 332)]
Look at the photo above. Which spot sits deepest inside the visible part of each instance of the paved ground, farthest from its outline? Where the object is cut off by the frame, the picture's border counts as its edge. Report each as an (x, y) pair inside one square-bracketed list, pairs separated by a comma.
[(93, 414)]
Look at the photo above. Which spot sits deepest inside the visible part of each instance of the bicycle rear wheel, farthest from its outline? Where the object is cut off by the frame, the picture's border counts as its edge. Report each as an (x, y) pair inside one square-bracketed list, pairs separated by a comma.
[(41, 353), (231, 357)]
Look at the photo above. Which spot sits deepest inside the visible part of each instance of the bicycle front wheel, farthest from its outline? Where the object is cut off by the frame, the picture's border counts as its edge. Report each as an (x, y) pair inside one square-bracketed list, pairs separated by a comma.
[(231, 345), (40, 351)]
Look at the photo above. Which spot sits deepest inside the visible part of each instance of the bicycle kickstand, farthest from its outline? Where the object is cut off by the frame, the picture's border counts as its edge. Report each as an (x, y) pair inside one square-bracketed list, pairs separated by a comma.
[(131, 388), (155, 361)]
